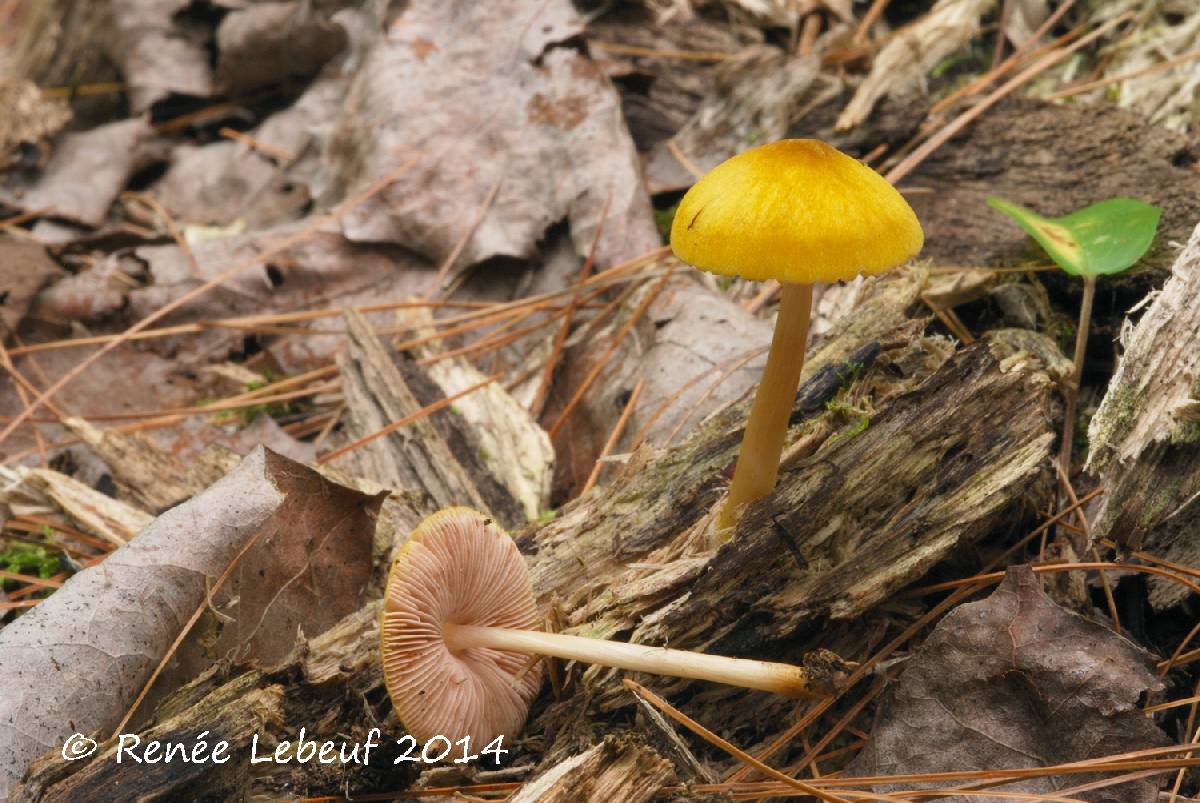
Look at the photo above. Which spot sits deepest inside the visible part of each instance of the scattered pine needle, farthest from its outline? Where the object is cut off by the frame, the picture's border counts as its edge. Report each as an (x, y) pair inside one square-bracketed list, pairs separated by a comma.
[(715, 740), (439, 284), (240, 267), (37, 582), (613, 437), (1017, 56), (1116, 79), (942, 136), (711, 389), (205, 605), (864, 27), (683, 159), (408, 419), (266, 149), (618, 49), (602, 362), (560, 338)]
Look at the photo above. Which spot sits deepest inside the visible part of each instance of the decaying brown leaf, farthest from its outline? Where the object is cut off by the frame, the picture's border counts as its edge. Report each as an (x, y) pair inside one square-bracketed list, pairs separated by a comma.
[(1016, 681), (86, 172), (24, 268), (78, 660), (158, 51), (557, 146), (265, 43)]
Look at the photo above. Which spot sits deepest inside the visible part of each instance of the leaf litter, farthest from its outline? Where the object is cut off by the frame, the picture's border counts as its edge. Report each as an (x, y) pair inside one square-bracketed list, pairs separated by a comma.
[(227, 154), (301, 546)]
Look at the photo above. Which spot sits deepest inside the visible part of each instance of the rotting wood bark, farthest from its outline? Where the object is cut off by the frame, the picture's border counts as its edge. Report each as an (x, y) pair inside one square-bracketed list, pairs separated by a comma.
[(1030, 151), (148, 476), (959, 443), (415, 456), (620, 770), (1145, 437)]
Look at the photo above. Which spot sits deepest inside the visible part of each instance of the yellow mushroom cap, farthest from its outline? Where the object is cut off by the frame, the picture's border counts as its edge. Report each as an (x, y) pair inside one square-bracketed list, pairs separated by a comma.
[(798, 211)]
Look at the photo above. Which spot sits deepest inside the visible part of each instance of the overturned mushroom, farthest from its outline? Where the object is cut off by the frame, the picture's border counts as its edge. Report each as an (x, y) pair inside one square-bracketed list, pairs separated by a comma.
[(456, 632), (798, 211)]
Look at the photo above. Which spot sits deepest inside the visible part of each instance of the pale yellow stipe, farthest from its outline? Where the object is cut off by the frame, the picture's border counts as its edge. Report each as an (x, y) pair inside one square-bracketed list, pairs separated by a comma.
[(766, 428)]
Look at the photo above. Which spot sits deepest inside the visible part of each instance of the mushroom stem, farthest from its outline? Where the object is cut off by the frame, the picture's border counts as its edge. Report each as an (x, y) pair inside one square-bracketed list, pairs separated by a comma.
[(784, 679), (766, 428)]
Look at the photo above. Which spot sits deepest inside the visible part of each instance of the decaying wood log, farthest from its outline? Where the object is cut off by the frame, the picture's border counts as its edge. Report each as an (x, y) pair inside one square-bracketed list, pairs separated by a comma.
[(412, 457), (1037, 163), (617, 769), (957, 443), (511, 448), (1145, 438), (148, 476), (333, 682)]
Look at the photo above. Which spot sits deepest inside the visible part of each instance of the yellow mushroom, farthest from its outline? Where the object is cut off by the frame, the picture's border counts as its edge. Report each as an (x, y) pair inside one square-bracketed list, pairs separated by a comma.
[(797, 211)]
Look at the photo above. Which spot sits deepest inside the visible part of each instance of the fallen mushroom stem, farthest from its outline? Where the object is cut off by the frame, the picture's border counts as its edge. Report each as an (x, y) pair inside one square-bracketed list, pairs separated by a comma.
[(784, 679), (766, 428)]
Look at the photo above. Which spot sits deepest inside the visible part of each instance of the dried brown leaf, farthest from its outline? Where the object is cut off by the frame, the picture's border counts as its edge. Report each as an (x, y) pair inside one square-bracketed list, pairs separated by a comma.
[(557, 143), (158, 52), (271, 42), (77, 661), (86, 172), (1016, 681), (24, 269)]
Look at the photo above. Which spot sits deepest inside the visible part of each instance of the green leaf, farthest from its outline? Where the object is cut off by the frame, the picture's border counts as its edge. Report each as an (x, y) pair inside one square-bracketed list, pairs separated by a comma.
[(1098, 240)]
